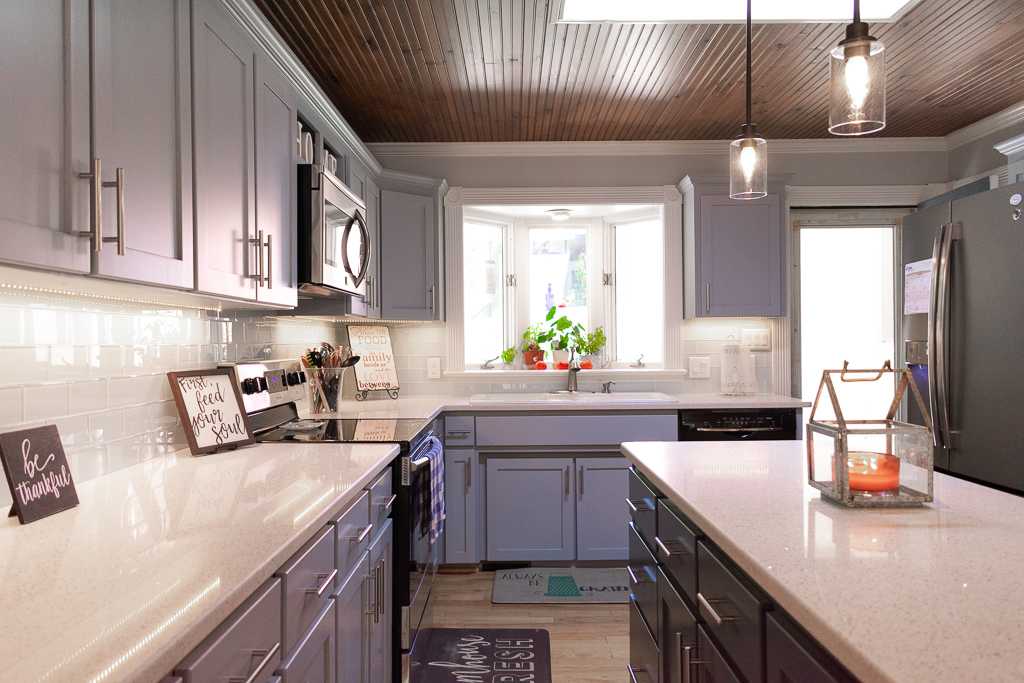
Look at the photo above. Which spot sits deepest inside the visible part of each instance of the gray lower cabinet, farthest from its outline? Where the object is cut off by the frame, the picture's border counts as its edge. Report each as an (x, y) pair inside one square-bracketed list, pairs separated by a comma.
[(792, 657), (352, 605), (409, 243), (225, 168), (461, 482), (600, 516), (276, 185), (531, 509), (44, 69), (380, 621), (734, 251), (142, 120), (315, 660)]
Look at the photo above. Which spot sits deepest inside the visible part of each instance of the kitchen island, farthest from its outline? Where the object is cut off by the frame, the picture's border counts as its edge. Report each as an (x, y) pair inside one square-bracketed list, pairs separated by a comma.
[(925, 594)]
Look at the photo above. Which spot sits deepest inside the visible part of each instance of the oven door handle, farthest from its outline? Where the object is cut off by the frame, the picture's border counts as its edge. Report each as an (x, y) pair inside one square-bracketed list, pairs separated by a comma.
[(418, 463), (730, 430)]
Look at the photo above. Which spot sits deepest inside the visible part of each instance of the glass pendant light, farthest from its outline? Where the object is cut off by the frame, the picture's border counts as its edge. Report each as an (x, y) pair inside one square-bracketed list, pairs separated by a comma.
[(748, 153), (857, 88)]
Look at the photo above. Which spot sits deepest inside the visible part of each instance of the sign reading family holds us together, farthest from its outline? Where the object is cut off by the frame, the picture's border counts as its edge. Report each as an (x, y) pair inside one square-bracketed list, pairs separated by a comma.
[(37, 472), (210, 407)]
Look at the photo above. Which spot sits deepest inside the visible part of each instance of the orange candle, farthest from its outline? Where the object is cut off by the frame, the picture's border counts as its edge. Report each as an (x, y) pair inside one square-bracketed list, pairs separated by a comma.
[(873, 471)]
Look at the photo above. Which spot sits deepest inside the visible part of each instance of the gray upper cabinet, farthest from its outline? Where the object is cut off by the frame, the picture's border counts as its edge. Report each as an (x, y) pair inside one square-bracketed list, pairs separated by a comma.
[(44, 69), (142, 122), (536, 527), (409, 243), (601, 486), (225, 171), (734, 252), (372, 199), (276, 178)]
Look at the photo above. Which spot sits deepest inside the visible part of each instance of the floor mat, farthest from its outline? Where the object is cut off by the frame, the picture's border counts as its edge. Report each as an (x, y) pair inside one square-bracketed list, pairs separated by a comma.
[(560, 585), (448, 655)]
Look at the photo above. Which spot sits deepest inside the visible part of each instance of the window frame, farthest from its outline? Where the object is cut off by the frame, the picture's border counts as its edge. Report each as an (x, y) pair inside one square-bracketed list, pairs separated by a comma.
[(509, 335)]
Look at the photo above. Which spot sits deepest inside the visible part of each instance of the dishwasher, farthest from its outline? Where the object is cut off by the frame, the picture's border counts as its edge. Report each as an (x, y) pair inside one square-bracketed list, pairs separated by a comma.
[(740, 424)]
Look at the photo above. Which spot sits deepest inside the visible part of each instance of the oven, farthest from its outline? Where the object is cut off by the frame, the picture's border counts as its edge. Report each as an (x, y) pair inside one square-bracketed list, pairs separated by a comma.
[(334, 243), (415, 579)]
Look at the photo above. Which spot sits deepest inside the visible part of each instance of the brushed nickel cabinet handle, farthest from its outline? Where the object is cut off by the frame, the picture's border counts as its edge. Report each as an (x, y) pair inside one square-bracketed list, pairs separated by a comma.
[(265, 657), (579, 482), (361, 536), (388, 505), (371, 607), (688, 659), (119, 186), (328, 581), (715, 616), (258, 243), (566, 479), (661, 545), (633, 577), (95, 231), (268, 279), (634, 505), (707, 297), (468, 475)]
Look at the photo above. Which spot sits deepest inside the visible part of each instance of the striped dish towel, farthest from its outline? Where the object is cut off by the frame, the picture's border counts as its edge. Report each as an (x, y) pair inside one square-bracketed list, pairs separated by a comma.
[(437, 507)]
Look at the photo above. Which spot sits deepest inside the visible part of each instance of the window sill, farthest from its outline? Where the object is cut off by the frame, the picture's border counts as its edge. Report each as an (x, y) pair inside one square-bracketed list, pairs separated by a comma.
[(501, 375)]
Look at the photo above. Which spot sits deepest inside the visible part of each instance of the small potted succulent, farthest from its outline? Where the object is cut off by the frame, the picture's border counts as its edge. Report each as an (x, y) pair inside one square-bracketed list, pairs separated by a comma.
[(508, 357), (532, 351)]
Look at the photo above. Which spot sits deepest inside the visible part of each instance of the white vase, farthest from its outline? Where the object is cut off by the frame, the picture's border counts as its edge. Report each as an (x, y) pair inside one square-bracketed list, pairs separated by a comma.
[(560, 356)]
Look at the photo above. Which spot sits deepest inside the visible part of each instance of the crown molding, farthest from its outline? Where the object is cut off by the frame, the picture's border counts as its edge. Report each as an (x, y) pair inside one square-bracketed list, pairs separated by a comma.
[(657, 194), (1014, 145), (264, 34), (1010, 116), (612, 148), (810, 196)]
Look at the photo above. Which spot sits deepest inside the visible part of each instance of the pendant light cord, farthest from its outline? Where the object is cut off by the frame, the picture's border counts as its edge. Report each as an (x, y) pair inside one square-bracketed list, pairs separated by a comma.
[(856, 11), (749, 67)]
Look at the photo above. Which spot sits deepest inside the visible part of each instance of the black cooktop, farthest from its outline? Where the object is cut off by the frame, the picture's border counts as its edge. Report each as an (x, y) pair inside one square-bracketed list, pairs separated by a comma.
[(362, 430)]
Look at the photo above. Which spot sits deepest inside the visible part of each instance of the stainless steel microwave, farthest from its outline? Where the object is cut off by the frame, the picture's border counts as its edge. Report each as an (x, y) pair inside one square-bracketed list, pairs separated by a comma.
[(334, 244)]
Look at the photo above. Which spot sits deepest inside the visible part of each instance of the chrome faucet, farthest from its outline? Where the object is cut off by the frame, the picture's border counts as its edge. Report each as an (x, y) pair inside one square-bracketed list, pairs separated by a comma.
[(573, 384), (606, 387)]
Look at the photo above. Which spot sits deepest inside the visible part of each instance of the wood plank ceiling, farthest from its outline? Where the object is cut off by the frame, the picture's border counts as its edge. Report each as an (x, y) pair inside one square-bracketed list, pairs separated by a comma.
[(497, 70)]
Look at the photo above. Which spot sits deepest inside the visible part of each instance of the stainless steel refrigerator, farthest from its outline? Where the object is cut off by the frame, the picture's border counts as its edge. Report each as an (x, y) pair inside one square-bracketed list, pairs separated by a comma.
[(963, 324)]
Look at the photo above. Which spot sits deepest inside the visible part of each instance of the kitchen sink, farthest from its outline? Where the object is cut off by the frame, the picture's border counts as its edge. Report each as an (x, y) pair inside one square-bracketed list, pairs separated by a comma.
[(585, 397)]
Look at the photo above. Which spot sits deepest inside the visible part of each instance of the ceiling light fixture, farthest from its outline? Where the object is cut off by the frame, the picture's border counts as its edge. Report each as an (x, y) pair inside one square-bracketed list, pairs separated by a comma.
[(559, 215), (748, 153), (857, 87)]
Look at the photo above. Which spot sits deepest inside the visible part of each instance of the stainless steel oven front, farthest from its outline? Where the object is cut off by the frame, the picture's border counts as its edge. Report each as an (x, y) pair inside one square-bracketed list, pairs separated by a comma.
[(334, 243), (424, 556)]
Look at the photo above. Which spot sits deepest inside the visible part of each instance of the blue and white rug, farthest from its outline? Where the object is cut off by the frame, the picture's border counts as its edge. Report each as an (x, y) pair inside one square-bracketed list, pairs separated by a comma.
[(568, 585)]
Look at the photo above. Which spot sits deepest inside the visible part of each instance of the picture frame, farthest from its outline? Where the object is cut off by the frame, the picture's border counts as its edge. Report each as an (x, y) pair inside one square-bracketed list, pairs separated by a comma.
[(376, 370), (210, 407), (38, 473)]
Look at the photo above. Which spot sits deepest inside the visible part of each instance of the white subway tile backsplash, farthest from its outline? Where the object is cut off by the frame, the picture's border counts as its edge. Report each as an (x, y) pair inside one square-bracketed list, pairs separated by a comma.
[(45, 401), (88, 396), (11, 403)]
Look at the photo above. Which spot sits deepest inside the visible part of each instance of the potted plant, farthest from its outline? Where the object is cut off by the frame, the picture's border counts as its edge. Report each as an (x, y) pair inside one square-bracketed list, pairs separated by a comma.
[(564, 336), (508, 357), (590, 345), (532, 351)]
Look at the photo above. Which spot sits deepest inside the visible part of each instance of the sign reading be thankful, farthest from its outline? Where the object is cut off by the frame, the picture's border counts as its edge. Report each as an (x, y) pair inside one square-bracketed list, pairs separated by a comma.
[(210, 407), (38, 473)]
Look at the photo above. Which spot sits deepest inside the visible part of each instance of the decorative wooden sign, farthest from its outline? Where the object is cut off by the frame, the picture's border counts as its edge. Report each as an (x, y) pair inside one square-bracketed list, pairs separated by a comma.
[(375, 370), (210, 407), (37, 472)]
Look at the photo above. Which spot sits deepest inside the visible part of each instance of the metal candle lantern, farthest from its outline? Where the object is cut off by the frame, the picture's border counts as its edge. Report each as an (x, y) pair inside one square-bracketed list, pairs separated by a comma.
[(873, 462)]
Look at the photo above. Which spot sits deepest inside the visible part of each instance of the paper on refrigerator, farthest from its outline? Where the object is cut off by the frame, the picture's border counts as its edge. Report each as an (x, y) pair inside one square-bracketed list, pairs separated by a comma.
[(917, 286)]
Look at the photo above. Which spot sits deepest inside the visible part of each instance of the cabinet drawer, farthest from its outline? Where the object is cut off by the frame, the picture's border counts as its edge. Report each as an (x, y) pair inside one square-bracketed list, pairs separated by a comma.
[(315, 658), (678, 629), (643, 651), (247, 644), (574, 430), (642, 504), (381, 499), (459, 430), (353, 532), (307, 582), (733, 613), (713, 667), (676, 547), (643, 580), (792, 657)]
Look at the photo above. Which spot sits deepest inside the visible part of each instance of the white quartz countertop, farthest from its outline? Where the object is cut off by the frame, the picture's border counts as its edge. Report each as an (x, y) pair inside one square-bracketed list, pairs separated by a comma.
[(156, 555), (925, 594), (429, 407)]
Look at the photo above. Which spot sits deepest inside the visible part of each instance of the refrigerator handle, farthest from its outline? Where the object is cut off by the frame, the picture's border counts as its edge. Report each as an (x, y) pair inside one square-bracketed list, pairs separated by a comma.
[(933, 368), (942, 331)]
